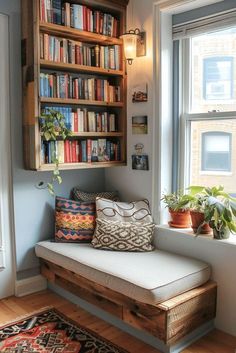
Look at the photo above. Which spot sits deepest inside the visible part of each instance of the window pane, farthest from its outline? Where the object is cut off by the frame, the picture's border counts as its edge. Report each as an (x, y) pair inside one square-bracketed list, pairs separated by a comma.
[(213, 67), (213, 153)]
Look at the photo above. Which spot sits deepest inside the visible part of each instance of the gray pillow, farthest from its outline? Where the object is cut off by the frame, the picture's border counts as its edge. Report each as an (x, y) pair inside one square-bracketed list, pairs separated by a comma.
[(79, 195)]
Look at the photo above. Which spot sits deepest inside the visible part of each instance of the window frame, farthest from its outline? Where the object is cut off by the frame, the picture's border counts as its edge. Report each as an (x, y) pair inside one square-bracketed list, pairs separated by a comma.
[(186, 117)]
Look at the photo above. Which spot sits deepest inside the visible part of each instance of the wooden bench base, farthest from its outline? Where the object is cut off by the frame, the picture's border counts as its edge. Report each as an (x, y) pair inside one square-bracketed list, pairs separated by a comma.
[(169, 321)]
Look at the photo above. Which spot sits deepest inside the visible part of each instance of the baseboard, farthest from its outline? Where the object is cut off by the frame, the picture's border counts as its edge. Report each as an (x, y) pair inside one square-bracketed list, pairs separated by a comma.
[(30, 285)]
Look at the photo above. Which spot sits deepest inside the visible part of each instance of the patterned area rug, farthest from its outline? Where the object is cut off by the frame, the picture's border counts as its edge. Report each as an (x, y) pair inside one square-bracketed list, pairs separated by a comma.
[(51, 332)]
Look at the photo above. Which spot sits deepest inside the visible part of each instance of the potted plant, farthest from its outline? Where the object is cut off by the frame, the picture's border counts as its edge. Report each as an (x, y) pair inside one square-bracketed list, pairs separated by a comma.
[(197, 210), (220, 212), (178, 205), (52, 126)]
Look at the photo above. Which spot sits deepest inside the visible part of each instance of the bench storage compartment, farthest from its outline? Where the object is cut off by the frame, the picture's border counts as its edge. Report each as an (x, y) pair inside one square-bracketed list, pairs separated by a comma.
[(169, 321)]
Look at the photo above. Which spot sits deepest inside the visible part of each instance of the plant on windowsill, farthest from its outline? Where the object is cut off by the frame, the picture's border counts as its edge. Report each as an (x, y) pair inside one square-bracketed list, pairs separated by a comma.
[(220, 212), (197, 210), (178, 205), (52, 126)]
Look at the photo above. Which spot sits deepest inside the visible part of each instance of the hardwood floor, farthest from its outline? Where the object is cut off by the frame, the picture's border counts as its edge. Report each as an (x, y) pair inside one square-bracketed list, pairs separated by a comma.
[(12, 308)]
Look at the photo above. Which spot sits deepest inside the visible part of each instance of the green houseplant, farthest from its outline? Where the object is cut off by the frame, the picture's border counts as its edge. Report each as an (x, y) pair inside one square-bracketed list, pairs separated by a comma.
[(197, 210), (220, 212), (178, 205), (52, 126)]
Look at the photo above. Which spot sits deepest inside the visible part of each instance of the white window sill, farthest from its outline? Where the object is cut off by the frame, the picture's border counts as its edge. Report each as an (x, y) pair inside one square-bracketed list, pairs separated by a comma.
[(188, 232), (219, 173)]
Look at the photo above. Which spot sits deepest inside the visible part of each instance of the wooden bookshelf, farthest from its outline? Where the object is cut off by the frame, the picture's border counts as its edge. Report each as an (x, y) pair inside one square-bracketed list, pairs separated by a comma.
[(71, 33), (33, 64), (80, 68), (70, 101)]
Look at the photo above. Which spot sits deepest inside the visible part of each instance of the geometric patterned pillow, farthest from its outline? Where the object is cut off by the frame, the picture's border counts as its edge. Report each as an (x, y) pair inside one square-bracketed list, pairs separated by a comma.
[(136, 211), (123, 236), (79, 195), (74, 221)]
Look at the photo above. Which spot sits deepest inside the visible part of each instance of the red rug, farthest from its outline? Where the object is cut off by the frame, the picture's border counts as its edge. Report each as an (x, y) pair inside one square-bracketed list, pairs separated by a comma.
[(51, 332)]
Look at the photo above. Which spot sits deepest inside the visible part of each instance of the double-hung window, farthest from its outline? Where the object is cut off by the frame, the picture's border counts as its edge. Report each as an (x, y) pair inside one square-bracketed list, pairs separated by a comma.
[(207, 109)]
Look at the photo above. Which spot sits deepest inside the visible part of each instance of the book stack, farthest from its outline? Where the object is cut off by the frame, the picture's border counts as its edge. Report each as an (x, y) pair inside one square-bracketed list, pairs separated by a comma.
[(66, 51), (82, 120), (74, 151), (65, 86), (78, 16), (86, 19), (51, 11)]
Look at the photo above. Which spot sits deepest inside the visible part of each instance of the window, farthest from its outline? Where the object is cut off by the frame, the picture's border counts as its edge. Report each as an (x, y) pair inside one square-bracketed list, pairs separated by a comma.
[(218, 78), (216, 151), (208, 112)]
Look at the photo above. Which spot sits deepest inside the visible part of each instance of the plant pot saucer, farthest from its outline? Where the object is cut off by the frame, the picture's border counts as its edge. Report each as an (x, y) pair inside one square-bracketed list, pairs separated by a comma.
[(171, 224)]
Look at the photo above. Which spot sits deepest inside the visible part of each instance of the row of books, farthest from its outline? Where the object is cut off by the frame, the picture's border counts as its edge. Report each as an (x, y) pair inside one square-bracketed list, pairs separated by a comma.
[(73, 52), (67, 86), (78, 16), (74, 151), (82, 120)]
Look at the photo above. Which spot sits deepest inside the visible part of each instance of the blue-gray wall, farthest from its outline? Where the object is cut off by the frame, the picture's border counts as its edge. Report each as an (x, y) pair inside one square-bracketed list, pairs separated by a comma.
[(33, 208), (203, 11)]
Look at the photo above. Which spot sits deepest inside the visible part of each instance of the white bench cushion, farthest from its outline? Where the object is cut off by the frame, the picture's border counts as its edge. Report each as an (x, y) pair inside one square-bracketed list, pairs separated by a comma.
[(149, 277)]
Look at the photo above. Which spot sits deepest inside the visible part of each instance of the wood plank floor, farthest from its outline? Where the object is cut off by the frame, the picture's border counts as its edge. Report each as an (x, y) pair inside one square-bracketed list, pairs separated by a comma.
[(12, 308)]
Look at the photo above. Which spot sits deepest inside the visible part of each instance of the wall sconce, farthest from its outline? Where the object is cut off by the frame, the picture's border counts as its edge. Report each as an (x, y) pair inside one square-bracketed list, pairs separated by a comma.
[(134, 44)]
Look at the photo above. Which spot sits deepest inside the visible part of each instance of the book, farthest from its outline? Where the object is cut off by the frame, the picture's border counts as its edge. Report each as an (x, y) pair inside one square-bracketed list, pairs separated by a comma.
[(94, 152)]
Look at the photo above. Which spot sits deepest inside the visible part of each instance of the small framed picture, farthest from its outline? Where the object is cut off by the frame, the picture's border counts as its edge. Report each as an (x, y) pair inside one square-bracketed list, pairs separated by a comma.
[(139, 125), (140, 162), (140, 93)]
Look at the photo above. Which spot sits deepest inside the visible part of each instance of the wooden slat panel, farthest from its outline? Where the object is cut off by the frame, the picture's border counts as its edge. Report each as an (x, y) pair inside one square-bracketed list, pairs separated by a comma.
[(184, 318), (169, 321), (182, 298)]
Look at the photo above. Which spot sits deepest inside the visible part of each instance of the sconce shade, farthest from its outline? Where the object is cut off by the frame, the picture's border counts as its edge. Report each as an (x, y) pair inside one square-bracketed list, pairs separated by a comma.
[(130, 45)]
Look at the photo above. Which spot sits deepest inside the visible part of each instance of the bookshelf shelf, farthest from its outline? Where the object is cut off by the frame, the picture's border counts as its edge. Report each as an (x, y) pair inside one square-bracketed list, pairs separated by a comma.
[(98, 134), (68, 166), (72, 33), (71, 101), (80, 68), (42, 77)]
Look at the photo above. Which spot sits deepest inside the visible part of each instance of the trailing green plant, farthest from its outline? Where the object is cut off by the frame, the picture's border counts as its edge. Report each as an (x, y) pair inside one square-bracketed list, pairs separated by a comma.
[(52, 126), (177, 201)]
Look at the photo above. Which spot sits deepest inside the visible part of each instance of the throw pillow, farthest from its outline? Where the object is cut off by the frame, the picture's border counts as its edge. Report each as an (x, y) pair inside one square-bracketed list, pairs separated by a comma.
[(74, 221), (137, 211), (79, 195), (123, 236)]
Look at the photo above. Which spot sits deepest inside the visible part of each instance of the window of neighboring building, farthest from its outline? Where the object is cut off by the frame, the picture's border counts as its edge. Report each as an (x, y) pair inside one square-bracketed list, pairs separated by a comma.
[(207, 89), (218, 78), (216, 151)]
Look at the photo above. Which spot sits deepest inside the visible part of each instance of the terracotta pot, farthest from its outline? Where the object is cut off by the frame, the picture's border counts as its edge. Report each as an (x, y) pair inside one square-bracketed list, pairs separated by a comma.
[(222, 234), (197, 219), (179, 219)]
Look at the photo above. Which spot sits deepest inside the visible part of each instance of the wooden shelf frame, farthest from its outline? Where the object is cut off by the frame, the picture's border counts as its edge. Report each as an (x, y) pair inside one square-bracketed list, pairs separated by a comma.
[(73, 33), (71, 101), (81, 165), (32, 64), (45, 64)]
